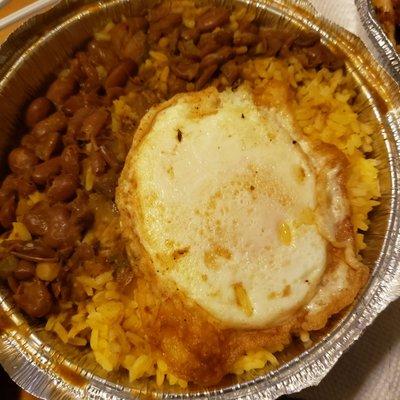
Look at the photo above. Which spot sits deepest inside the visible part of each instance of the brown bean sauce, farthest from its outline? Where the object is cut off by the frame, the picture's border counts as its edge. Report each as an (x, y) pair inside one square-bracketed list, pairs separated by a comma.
[(6, 323), (70, 375)]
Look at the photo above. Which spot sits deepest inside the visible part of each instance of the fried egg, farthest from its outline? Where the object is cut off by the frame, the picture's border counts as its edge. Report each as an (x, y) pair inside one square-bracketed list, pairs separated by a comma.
[(226, 202)]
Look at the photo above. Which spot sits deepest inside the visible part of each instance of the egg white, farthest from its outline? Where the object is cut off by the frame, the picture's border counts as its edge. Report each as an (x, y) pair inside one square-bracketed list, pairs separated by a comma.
[(217, 191)]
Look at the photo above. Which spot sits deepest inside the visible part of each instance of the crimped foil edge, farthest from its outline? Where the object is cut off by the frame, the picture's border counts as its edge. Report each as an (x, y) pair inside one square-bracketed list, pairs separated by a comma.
[(305, 370), (384, 47)]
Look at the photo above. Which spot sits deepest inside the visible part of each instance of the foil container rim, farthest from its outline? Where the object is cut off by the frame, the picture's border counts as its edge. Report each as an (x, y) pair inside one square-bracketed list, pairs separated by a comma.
[(382, 44), (307, 369)]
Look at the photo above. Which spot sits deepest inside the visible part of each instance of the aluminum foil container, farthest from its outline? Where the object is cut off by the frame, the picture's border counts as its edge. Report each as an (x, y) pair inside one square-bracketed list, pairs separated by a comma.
[(389, 56), (47, 368)]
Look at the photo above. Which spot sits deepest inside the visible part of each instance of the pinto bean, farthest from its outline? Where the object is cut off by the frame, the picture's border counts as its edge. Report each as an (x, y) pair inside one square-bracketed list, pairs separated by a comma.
[(8, 186), (61, 89), (62, 231), (205, 76), (13, 184), (94, 123), (101, 53), (319, 55), (47, 145), (75, 123), (271, 40), (231, 71), (70, 160), (89, 72), (21, 160), (73, 104), (24, 186), (190, 34), (34, 298), (287, 39), (38, 110), (334, 63), (175, 85), (56, 122), (136, 48), (189, 50), (53, 223), (245, 38), (212, 19), (166, 23), (220, 56), (98, 163), (157, 13), (163, 26), (82, 99), (307, 39), (24, 270), (43, 172), (120, 74), (207, 44), (75, 69), (37, 219), (315, 55), (63, 187), (93, 82), (273, 45), (224, 37), (7, 212), (185, 70), (29, 141), (173, 38)]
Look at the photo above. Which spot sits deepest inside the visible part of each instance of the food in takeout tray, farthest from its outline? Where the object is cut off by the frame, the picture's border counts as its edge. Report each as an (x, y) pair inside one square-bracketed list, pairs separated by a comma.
[(245, 190)]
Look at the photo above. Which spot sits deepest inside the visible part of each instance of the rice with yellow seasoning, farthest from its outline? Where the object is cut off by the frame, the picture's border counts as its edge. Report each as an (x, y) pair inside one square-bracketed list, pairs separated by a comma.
[(325, 108), (324, 111)]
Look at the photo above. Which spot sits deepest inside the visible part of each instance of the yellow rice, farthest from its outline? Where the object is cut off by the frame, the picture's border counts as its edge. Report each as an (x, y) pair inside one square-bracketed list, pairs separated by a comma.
[(323, 110)]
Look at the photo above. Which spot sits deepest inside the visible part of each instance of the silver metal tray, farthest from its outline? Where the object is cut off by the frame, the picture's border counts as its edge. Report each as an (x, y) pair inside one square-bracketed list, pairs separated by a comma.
[(389, 56), (48, 369)]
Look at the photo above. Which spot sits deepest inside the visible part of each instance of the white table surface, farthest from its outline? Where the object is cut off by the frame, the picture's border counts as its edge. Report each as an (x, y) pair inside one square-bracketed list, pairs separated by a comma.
[(370, 370)]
